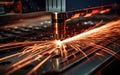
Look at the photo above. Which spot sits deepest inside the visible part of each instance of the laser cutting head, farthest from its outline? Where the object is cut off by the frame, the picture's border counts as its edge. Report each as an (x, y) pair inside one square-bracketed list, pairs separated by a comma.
[(56, 7), (58, 24)]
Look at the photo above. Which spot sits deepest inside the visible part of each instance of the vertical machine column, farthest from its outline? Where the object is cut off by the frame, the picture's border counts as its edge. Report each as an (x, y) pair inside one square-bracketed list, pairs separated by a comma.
[(57, 7), (58, 24)]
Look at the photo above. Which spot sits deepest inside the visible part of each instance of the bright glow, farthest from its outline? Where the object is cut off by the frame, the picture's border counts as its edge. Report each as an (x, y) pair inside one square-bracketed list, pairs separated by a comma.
[(58, 43)]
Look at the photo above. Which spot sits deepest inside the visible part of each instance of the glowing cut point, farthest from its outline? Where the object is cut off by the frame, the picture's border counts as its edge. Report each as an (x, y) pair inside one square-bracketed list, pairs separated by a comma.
[(58, 43)]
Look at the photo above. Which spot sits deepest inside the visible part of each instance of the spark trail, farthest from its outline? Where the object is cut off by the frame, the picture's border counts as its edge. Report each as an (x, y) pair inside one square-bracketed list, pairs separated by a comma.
[(45, 50)]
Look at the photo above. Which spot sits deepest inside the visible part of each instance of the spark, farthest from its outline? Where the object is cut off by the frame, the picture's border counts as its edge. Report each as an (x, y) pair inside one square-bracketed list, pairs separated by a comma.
[(42, 51), (35, 68)]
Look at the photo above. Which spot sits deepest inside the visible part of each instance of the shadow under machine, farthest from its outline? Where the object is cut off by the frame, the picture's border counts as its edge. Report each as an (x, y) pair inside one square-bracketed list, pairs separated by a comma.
[(58, 20)]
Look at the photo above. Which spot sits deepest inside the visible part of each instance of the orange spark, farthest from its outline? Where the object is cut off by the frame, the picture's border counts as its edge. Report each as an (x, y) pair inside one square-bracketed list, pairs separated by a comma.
[(40, 64)]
